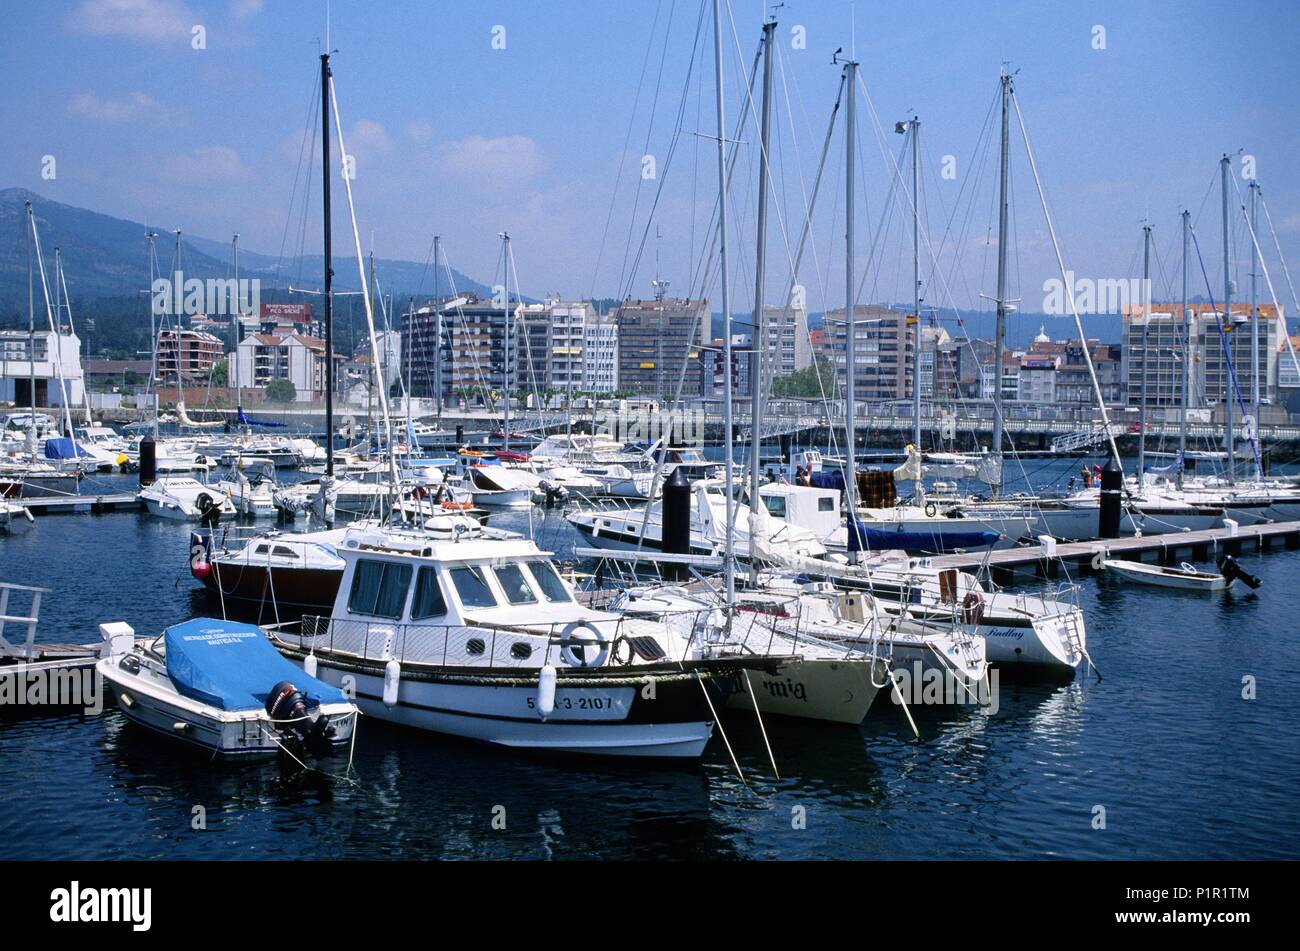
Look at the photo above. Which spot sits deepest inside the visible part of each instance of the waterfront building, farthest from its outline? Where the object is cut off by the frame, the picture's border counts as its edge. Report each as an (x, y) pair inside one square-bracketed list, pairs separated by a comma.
[(298, 358), (188, 355), (43, 359), (882, 347), (656, 339), (600, 355)]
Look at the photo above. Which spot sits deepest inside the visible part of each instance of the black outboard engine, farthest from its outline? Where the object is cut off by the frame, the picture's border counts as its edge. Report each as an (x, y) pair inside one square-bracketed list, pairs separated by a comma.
[(209, 511), (1232, 571), (288, 707)]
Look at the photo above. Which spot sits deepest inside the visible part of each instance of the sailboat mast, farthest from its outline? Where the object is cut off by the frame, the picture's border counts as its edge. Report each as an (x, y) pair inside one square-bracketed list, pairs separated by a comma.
[(1187, 355), (239, 321), (916, 285), (758, 345), (151, 236), (1146, 357), (729, 555), (437, 322), (1000, 334), (1227, 324), (329, 263), (505, 383), (1254, 318), (31, 340), (850, 361)]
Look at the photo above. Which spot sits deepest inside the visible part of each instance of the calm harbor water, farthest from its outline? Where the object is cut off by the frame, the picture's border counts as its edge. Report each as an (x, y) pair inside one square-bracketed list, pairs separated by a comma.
[(1182, 764)]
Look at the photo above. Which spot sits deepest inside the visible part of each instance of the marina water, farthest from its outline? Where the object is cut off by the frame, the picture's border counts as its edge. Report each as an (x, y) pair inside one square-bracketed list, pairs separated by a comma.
[(1182, 765)]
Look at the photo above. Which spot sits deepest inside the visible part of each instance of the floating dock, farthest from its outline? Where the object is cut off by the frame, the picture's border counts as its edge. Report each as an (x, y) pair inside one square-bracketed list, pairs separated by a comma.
[(65, 504), (1041, 561)]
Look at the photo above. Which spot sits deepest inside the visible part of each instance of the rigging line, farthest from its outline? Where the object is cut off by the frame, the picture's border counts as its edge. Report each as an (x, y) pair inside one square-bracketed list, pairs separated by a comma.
[(307, 128), (654, 105), (627, 140), (1227, 352), (1277, 307)]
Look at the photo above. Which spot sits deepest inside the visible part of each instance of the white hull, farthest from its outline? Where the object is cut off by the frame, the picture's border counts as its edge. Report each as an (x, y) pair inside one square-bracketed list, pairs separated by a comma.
[(1166, 577), (506, 716), (835, 691)]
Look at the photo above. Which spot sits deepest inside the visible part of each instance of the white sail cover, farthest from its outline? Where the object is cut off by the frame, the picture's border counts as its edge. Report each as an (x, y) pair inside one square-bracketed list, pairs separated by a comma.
[(186, 421)]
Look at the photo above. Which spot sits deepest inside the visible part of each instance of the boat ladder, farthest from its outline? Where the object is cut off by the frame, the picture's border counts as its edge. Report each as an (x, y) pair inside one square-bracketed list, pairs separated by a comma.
[(28, 649)]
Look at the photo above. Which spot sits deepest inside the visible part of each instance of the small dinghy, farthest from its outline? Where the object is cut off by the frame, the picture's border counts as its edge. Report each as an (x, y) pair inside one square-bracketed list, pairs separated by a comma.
[(222, 686), (1185, 576)]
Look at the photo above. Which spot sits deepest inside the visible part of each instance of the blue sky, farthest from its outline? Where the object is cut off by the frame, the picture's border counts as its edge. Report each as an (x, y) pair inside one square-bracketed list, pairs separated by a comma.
[(455, 137)]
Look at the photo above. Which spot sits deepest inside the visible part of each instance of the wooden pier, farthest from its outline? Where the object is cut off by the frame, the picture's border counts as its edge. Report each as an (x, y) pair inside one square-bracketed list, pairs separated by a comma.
[(1085, 557), (96, 504)]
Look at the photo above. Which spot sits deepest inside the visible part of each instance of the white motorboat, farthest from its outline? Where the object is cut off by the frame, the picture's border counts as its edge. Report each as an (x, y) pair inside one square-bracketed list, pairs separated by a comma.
[(482, 639), (503, 486), (1186, 576), (15, 517), (252, 498), (221, 686), (184, 499)]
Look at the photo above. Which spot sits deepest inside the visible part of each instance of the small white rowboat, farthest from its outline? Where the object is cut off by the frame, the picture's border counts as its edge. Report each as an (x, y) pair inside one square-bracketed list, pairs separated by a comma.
[(1185, 576)]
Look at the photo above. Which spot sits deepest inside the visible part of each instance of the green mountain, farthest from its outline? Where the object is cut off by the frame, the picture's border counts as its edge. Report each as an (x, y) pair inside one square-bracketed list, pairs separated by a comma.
[(104, 257)]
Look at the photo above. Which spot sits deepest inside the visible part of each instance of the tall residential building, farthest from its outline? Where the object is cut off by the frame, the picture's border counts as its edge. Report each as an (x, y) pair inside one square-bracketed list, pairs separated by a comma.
[(530, 335), (476, 349), (568, 352), (600, 355), (788, 346), (422, 350), (656, 340), (742, 350), (882, 348), (187, 355), (1160, 349)]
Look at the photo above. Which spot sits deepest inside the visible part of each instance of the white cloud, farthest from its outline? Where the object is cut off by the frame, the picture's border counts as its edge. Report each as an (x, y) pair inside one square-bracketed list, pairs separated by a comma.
[(112, 108), (155, 21), (1290, 224), (367, 137), (206, 164), (245, 8), (419, 131), (507, 159)]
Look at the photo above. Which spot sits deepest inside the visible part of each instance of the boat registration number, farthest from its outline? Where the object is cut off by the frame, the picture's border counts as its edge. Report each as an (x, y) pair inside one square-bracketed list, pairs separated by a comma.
[(588, 704)]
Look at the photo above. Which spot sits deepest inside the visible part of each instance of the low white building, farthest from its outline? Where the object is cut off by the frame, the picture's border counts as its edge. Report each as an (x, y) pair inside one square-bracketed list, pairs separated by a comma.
[(57, 358), (295, 357)]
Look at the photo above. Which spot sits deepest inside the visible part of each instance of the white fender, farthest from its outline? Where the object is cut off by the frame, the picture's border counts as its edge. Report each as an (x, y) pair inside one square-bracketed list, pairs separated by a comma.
[(309, 665), (392, 677), (546, 691)]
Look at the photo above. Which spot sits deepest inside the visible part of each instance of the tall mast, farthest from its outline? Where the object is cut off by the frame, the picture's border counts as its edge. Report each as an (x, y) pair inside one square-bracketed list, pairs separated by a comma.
[(850, 362), (329, 263), (729, 555), (505, 383), (31, 341), (1000, 334), (437, 324), (1228, 389), (1146, 357), (1187, 355), (239, 321), (916, 286), (152, 236), (1254, 319), (758, 345)]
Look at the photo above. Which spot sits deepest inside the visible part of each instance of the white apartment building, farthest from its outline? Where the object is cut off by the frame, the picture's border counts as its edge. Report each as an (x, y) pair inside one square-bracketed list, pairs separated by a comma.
[(55, 357), (295, 357), (600, 355), (568, 344), (787, 333)]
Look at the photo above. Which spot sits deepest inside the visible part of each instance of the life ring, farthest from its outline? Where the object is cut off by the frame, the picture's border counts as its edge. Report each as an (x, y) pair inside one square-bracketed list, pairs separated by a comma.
[(574, 651), (972, 608), (457, 506), (931, 510)]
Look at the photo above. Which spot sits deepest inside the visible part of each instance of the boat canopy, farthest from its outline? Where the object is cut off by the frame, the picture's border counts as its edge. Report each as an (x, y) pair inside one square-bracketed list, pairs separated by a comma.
[(61, 447), (233, 666)]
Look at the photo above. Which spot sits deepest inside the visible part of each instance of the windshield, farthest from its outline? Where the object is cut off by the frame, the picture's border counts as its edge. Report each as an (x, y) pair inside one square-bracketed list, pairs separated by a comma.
[(471, 584)]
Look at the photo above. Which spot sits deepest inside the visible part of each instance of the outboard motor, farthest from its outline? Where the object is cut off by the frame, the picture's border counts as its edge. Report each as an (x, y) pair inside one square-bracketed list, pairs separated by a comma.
[(1232, 571), (209, 511), (287, 705)]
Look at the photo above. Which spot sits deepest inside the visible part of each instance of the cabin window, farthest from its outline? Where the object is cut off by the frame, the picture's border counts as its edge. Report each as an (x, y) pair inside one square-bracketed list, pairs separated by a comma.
[(475, 646), (379, 589), (471, 584), (775, 505), (520, 651), (826, 505), (261, 550), (429, 601), (515, 585), (283, 552), (553, 588)]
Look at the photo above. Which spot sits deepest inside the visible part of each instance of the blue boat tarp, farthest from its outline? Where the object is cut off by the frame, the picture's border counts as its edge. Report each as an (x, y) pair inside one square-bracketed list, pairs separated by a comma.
[(61, 447), (875, 539), (827, 479), (233, 666), (243, 420)]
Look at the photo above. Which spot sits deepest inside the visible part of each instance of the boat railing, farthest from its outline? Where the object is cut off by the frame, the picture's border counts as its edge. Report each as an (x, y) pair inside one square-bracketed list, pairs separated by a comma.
[(30, 620), (475, 644)]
